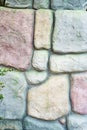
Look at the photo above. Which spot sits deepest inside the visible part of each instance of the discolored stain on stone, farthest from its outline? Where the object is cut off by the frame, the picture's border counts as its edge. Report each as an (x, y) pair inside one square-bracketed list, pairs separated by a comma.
[(16, 35)]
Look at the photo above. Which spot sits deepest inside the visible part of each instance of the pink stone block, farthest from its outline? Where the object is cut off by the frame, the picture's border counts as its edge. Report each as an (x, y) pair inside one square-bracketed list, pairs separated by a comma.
[(16, 36), (79, 93)]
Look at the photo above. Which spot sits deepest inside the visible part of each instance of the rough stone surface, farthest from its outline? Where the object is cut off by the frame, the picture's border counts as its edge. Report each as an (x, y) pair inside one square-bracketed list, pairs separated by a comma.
[(68, 4), (57, 4), (13, 92), (35, 77), (77, 122), (40, 59), (43, 29), (38, 4), (35, 124), (49, 100), (79, 93), (68, 63), (75, 38), (19, 3), (10, 125), (16, 35)]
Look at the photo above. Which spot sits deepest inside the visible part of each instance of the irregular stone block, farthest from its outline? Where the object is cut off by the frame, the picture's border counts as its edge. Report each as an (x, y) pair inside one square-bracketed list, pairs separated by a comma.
[(74, 23), (79, 93), (40, 59), (12, 95), (77, 122), (35, 124), (43, 29), (68, 63), (36, 77), (16, 35), (50, 100), (19, 3), (10, 125), (57, 4), (41, 4)]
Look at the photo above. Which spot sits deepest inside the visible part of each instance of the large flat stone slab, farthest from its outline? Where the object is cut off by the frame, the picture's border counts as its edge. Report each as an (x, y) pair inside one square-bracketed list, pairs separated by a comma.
[(35, 124), (79, 93), (43, 29), (70, 33), (16, 35), (12, 95), (10, 125), (50, 100), (19, 3), (68, 63)]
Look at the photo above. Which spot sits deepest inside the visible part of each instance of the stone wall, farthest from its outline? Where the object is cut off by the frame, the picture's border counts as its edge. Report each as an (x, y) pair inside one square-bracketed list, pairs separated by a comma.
[(43, 65)]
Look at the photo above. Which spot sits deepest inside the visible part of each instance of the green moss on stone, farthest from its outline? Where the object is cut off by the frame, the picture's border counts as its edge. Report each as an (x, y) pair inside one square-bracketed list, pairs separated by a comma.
[(3, 71), (1, 96)]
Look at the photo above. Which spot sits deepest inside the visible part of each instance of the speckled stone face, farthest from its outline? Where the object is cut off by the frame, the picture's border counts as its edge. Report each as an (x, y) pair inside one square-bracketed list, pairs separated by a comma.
[(16, 35)]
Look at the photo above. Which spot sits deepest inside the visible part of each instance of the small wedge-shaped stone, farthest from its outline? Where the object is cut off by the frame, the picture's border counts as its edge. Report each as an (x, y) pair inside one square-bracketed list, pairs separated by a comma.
[(40, 59), (43, 29), (68, 63), (12, 95), (19, 3), (35, 124), (16, 35), (70, 33), (38, 4), (10, 125), (50, 100), (36, 77)]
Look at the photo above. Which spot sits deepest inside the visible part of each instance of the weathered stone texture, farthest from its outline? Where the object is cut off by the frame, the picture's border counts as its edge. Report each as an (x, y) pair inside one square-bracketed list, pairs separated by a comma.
[(68, 4), (79, 93), (12, 95), (40, 59), (38, 4), (36, 77), (19, 3), (70, 33), (43, 29), (68, 63), (10, 125), (16, 35), (57, 4), (77, 122), (35, 124), (50, 100)]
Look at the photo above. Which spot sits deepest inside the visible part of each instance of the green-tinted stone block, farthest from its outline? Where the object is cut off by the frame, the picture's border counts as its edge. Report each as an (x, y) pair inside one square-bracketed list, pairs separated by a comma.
[(19, 3), (38, 4)]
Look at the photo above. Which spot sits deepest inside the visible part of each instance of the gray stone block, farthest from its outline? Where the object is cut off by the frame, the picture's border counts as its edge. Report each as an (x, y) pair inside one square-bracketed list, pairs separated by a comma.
[(35, 124), (10, 125), (19, 3)]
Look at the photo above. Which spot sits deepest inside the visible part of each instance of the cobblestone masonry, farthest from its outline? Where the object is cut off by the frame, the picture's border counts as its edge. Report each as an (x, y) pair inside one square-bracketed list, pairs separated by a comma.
[(43, 65)]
